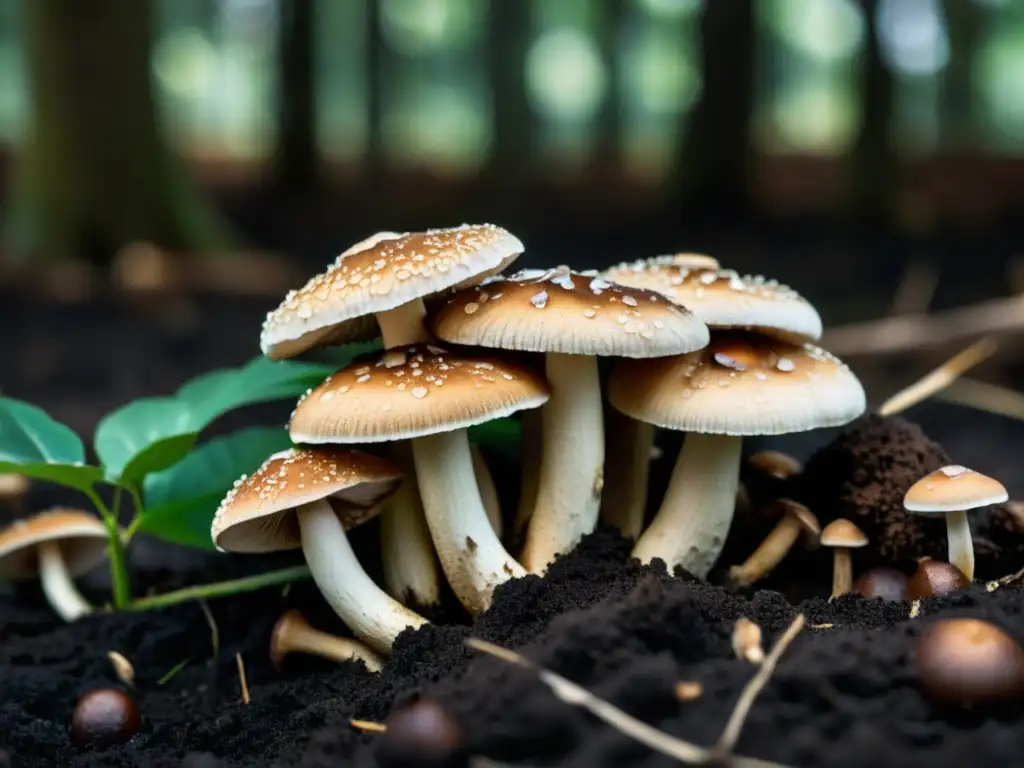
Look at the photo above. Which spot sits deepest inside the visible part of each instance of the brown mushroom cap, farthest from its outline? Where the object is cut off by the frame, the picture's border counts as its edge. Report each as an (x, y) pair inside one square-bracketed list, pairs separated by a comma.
[(740, 384), (808, 522), (568, 312), (255, 515), (775, 464), (414, 391), (381, 273), (953, 489), (884, 583), (969, 662), (724, 299), (843, 533), (935, 578), (82, 539)]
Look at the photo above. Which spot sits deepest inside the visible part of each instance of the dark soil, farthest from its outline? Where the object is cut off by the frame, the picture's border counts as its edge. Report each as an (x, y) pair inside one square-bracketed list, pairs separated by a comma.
[(841, 696)]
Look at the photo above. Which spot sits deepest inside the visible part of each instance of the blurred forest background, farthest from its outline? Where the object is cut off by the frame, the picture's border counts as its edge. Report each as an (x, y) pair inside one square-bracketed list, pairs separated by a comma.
[(224, 150)]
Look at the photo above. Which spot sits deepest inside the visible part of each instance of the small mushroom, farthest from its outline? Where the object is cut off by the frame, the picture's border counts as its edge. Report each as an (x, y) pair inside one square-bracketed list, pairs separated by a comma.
[(950, 492), (884, 583), (54, 546), (842, 536), (422, 734), (103, 718), (969, 662), (796, 520), (934, 578), (768, 474), (306, 499), (293, 634)]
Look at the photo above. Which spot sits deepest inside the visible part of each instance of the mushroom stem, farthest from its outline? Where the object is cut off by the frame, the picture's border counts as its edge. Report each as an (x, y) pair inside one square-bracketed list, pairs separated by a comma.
[(302, 638), (471, 554), (694, 518), (769, 554), (488, 491), (410, 568), (61, 592), (373, 615), (961, 548), (572, 461), (407, 553), (531, 422), (842, 572), (403, 324), (627, 467)]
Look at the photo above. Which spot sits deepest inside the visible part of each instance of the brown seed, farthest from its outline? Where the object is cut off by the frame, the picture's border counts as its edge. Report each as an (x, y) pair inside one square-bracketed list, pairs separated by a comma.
[(104, 717), (935, 578), (969, 662), (886, 583), (422, 734)]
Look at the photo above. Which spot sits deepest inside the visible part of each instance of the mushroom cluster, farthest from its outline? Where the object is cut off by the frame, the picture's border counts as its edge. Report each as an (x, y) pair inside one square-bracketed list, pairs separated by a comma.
[(694, 348)]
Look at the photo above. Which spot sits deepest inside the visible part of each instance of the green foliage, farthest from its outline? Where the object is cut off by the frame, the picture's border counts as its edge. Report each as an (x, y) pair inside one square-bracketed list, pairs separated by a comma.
[(181, 500)]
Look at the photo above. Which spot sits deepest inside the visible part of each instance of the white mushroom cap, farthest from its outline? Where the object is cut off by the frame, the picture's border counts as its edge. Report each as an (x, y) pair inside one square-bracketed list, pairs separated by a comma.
[(740, 384), (82, 539), (378, 274), (724, 299), (953, 489), (256, 515), (414, 391), (568, 312)]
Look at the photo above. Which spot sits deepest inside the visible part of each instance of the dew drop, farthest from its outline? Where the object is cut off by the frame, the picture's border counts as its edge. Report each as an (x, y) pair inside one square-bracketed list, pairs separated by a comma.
[(419, 392), (785, 364), (539, 300), (471, 307)]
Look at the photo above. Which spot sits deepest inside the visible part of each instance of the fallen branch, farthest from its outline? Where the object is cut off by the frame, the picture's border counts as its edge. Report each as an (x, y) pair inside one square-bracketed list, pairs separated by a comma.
[(890, 335), (576, 695), (939, 378)]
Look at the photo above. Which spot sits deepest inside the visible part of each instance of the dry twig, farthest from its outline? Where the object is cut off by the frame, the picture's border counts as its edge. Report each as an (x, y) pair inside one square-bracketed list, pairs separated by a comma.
[(648, 735), (727, 741), (122, 668), (915, 609), (214, 630), (939, 378), (985, 397), (242, 679), (368, 725), (891, 335)]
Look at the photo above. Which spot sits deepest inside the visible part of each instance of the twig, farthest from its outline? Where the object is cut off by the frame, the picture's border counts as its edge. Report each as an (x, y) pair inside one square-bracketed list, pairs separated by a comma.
[(727, 741), (915, 609), (890, 335), (939, 378), (985, 397), (214, 631), (241, 679), (1004, 581), (122, 668), (368, 725), (917, 288), (648, 735)]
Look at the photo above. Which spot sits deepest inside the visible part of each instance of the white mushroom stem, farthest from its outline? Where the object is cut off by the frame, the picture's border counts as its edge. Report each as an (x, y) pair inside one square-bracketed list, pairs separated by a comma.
[(627, 467), (572, 461), (488, 491), (407, 553), (842, 572), (694, 518), (531, 424), (60, 590), (373, 615), (471, 554), (410, 568), (961, 548), (770, 553), (403, 325)]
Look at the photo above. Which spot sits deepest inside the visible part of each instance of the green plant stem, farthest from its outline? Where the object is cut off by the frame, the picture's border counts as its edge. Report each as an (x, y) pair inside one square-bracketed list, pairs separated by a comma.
[(222, 588), (115, 553)]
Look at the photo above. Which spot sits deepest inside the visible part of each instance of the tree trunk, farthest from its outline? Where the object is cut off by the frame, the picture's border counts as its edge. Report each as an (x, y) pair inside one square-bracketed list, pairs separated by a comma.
[(296, 162), (95, 172), (871, 163), (713, 168)]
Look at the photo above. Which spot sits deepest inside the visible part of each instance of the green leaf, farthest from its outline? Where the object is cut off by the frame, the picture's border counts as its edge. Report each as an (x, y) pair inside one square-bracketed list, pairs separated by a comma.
[(34, 444), (144, 436), (180, 502), (501, 435)]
